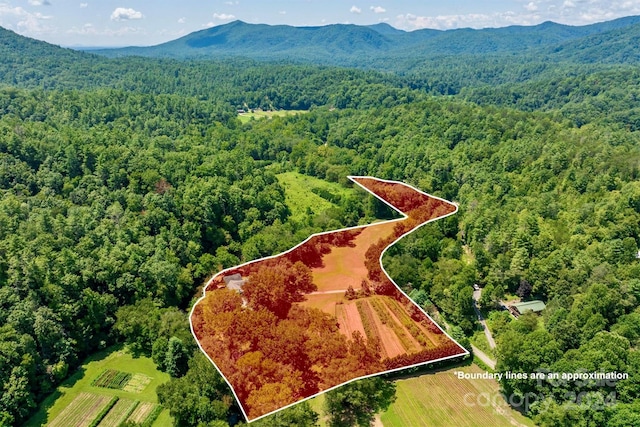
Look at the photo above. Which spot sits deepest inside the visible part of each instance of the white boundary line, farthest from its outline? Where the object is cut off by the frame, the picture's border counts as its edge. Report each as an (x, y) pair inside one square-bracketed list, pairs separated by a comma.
[(404, 216)]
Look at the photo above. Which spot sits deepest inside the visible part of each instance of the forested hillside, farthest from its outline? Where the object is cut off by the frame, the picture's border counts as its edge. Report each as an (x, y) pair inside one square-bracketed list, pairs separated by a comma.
[(125, 183), (366, 46)]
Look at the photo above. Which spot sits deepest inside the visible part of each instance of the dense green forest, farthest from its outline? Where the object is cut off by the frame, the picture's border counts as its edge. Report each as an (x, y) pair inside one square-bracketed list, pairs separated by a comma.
[(125, 183)]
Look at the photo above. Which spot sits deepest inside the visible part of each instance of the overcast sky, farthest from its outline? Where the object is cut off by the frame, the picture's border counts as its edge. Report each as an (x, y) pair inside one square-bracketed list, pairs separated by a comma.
[(144, 22)]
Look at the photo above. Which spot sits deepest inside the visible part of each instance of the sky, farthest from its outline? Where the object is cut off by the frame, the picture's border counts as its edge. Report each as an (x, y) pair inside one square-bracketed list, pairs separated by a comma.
[(145, 22)]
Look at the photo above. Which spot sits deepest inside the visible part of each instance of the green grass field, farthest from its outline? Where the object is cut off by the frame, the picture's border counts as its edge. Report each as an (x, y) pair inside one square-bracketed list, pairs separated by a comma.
[(438, 400), (115, 358), (259, 114), (299, 197), (442, 400)]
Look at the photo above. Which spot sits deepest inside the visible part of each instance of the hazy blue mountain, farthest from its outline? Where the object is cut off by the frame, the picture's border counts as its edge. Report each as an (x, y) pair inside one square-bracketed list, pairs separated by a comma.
[(350, 45), (386, 29), (260, 41)]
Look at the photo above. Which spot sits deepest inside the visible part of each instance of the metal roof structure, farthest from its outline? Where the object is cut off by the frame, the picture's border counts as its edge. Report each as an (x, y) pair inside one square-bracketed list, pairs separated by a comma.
[(536, 306)]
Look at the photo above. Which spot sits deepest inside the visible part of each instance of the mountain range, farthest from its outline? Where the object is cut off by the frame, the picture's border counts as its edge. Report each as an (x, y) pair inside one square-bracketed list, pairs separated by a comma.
[(353, 45), (437, 61)]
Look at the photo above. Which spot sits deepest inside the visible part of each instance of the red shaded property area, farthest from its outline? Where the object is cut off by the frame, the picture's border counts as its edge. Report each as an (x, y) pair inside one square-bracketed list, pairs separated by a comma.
[(285, 328)]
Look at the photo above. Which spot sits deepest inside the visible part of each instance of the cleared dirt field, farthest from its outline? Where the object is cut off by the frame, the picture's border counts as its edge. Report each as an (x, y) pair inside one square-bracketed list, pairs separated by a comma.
[(324, 302), (344, 266), (438, 400), (407, 340), (82, 410), (349, 319), (388, 339)]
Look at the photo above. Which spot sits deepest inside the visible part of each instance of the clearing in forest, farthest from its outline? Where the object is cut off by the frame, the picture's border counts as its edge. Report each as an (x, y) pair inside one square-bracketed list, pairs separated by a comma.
[(284, 328), (306, 195), (246, 116), (80, 400)]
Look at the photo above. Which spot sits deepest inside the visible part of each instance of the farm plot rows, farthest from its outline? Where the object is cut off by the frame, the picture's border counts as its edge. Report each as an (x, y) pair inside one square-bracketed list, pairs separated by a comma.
[(111, 378), (83, 411), (119, 413), (349, 320), (137, 383), (89, 409), (144, 412), (411, 325), (387, 321), (369, 324), (408, 343)]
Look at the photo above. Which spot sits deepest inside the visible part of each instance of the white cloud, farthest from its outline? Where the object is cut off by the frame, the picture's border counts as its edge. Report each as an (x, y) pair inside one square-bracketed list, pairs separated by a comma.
[(22, 21), (209, 24), (223, 16), (355, 9), (83, 5), (231, 3), (125, 14), (182, 20), (282, 12), (445, 22), (530, 12), (39, 2), (378, 9)]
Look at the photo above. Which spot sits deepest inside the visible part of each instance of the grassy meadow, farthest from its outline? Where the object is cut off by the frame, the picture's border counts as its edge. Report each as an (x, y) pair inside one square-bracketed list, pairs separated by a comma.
[(300, 198), (260, 114), (438, 400)]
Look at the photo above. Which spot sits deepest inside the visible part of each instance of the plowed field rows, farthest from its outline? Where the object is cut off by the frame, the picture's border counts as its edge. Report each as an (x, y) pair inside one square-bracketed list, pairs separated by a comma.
[(409, 344), (413, 327), (349, 319), (119, 413), (142, 412), (82, 410)]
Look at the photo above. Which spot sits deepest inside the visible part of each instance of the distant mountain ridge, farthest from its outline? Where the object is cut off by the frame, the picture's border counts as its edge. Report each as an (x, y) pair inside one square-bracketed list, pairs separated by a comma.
[(348, 44), (441, 62)]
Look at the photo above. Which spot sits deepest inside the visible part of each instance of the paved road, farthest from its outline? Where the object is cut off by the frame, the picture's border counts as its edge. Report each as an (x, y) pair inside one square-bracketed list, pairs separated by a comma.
[(484, 357), (487, 332)]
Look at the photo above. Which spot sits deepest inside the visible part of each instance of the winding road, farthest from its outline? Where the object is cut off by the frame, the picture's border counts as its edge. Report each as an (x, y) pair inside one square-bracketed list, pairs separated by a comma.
[(481, 355)]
